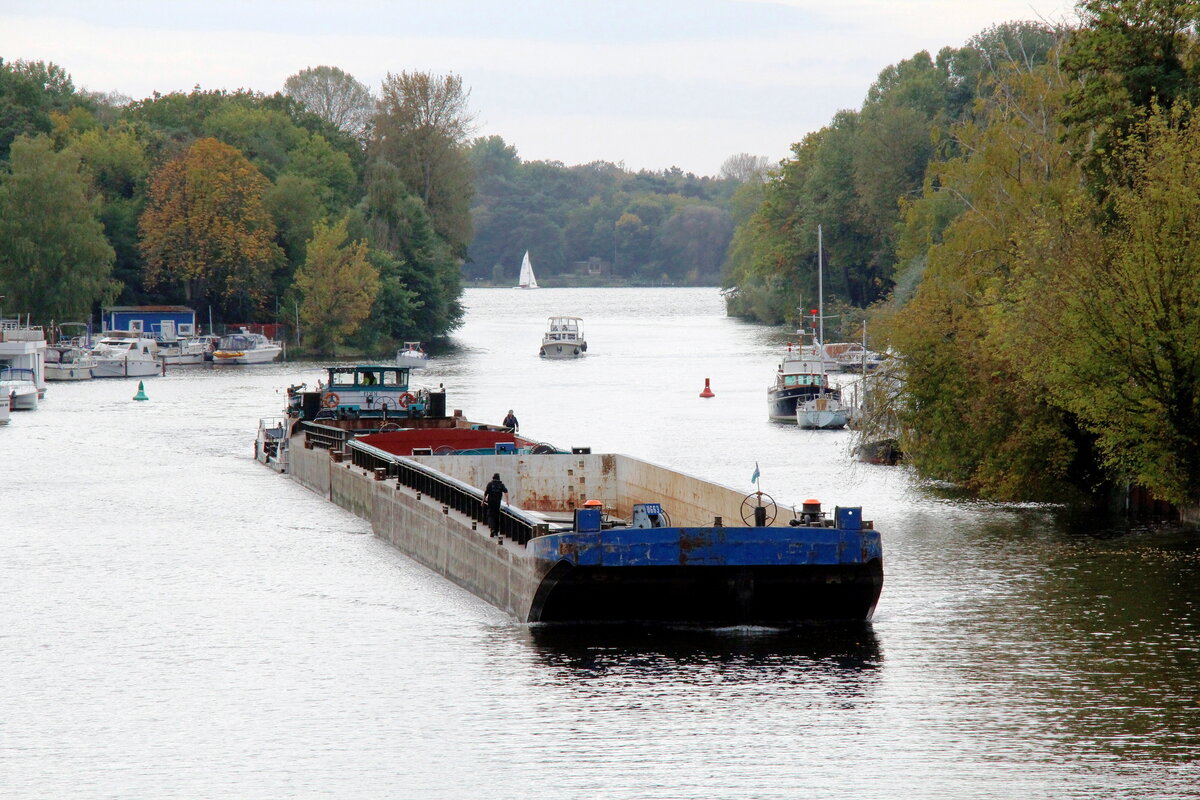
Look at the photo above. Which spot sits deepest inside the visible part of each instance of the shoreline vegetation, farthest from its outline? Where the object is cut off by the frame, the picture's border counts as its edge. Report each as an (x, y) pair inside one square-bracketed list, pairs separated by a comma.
[(1015, 219), (1012, 220)]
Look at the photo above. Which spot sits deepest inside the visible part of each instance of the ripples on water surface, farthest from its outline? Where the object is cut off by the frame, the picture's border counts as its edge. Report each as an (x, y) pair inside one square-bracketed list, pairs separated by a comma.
[(178, 621)]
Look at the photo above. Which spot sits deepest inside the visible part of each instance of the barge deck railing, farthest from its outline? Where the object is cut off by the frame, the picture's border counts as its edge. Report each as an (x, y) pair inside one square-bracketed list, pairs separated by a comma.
[(325, 437), (515, 524)]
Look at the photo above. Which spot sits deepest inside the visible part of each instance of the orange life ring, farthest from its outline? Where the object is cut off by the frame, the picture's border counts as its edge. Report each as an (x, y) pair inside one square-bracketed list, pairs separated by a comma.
[(330, 400), (404, 399)]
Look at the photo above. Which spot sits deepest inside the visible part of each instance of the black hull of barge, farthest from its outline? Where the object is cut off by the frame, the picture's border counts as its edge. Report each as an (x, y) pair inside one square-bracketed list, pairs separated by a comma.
[(720, 595)]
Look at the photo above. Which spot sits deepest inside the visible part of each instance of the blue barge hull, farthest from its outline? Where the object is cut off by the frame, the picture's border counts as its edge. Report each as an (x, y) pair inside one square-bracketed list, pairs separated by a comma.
[(720, 575)]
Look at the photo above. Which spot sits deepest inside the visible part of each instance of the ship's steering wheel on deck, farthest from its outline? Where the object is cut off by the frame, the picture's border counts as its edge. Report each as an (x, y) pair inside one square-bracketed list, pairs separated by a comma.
[(756, 500)]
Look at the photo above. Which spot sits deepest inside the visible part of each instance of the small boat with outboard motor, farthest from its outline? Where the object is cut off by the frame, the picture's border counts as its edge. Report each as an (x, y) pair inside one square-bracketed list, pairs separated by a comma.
[(588, 537)]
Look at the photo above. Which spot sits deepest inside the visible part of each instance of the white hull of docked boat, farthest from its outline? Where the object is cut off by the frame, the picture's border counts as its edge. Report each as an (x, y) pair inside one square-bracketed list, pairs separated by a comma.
[(71, 371), (24, 397), (130, 366), (258, 356), (246, 348), (822, 413)]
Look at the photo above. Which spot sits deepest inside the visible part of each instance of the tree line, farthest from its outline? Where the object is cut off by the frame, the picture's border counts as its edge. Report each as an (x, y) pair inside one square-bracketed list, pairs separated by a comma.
[(349, 215), (1020, 216), (319, 206)]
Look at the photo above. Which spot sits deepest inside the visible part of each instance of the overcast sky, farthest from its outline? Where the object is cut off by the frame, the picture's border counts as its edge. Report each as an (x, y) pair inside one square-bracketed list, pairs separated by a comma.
[(650, 83)]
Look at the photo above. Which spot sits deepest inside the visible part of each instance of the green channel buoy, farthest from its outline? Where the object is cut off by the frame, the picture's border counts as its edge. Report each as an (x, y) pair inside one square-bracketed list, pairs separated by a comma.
[(141, 395)]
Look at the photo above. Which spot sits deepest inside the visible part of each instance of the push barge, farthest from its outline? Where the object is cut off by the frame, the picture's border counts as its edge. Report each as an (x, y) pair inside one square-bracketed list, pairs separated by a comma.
[(588, 537)]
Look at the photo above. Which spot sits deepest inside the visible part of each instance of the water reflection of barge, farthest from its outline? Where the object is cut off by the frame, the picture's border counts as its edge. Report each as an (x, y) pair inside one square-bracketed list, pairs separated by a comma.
[(664, 546)]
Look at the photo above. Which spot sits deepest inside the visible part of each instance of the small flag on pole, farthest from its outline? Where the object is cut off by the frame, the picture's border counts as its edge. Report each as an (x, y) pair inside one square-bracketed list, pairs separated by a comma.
[(754, 477)]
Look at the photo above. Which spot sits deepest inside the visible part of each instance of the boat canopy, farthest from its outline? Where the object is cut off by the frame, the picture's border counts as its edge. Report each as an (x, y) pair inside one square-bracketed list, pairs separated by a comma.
[(369, 375)]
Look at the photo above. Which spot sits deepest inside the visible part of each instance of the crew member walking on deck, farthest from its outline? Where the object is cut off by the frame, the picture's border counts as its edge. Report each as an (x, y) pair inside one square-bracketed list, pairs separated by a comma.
[(491, 498), (511, 421)]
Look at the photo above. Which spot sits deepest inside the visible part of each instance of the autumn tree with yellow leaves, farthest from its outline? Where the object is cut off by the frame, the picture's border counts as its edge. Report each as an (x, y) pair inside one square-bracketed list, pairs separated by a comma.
[(207, 229)]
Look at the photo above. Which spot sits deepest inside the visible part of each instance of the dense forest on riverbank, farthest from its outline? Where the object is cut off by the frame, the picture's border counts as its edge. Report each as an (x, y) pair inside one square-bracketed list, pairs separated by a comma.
[(1017, 217), (1022, 216), (352, 217)]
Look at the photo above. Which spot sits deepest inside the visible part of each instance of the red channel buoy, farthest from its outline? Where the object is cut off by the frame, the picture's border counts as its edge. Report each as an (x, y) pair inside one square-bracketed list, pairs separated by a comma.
[(707, 391)]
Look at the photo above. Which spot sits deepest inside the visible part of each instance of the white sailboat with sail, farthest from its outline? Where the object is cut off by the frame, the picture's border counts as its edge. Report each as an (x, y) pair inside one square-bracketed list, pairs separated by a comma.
[(526, 281)]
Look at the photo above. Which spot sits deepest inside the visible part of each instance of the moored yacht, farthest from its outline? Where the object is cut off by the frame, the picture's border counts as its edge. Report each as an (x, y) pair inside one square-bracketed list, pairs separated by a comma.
[(823, 411), (17, 384), (800, 377), (22, 360), (125, 354), (69, 362), (246, 348), (69, 358)]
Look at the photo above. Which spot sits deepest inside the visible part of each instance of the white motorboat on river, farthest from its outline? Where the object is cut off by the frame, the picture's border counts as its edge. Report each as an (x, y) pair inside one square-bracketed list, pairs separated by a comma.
[(192, 350), (412, 355), (69, 358), (22, 357), (564, 338), (246, 348), (823, 411), (125, 354), (19, 385), (800, 377), (69, 362)]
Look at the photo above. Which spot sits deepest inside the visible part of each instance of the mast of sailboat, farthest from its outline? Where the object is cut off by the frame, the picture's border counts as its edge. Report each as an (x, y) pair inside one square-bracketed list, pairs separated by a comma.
[(820, 290)]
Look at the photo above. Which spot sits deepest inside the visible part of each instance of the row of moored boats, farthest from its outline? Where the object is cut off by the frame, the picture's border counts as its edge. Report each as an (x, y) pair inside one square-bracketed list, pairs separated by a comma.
[(28, 361), (133, 354), (802, 392)]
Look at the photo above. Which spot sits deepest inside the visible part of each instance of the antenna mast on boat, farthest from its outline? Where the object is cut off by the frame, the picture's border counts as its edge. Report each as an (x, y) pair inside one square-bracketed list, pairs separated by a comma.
[(820, 289)]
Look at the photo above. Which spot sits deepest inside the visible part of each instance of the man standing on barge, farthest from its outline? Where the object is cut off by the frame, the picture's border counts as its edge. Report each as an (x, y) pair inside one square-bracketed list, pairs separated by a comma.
[(491, 498)]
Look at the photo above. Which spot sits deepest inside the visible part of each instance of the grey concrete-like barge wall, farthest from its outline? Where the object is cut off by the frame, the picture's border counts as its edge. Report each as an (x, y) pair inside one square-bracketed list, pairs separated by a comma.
[(441, 539), (501, 573), (563, 482)]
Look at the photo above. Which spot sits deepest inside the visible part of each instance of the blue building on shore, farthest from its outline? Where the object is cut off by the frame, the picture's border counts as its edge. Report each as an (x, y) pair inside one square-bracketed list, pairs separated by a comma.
[(166, 322)]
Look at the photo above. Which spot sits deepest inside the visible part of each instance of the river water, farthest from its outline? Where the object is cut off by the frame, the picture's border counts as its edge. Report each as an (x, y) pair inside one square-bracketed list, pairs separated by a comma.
[(178, 621)]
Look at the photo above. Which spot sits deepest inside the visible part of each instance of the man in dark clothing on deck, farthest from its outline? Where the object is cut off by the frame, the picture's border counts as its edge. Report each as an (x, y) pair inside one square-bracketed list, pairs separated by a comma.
[(511, 421), (491, 498)]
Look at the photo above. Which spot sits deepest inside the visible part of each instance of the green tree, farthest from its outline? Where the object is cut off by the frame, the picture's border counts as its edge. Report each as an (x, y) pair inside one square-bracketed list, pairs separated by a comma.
[(207, 229), (420, 280), (338, 285), (421, 127), (117, 162), (330, 170), (974, 337), (693, 241), (295, 206), (1127, 56), (265, 136), (54, 260), (1127, 358), (30, 91)]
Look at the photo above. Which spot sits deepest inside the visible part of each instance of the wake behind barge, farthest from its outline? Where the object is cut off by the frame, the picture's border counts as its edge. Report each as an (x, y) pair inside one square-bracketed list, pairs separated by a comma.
[(588, 537)]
